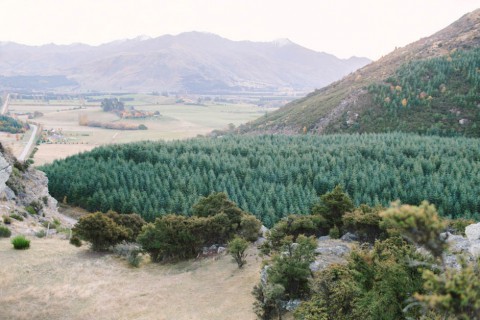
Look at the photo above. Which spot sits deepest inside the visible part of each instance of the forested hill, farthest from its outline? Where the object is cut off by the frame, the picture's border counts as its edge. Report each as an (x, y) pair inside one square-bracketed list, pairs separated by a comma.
[(429, 86), (272, 176)]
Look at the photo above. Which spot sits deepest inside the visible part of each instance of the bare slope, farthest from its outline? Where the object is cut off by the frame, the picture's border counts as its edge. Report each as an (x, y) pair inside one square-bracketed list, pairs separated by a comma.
[(194, 61), (54, 280), (316, 112)]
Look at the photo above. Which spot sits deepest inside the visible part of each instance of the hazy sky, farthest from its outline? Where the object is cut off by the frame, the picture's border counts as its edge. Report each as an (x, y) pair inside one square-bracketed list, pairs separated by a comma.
[(369, 28)]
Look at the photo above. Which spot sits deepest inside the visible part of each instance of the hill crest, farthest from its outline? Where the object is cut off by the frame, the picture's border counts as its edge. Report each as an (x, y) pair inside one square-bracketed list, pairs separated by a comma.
[(316, 112)]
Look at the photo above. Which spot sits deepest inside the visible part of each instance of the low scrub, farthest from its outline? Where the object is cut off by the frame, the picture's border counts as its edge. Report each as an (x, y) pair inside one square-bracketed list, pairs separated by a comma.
[(5, 232), (7, 220), (20, 243), (16, 217)]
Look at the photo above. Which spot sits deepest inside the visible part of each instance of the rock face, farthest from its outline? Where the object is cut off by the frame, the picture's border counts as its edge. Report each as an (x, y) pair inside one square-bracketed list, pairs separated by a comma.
[(25, 187), (473, 235), (329, 252), (5, 171)]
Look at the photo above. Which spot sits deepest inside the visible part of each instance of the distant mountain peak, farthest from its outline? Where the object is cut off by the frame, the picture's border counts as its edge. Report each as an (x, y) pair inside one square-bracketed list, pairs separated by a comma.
[(200, 62), (282, 42), (142, 37)]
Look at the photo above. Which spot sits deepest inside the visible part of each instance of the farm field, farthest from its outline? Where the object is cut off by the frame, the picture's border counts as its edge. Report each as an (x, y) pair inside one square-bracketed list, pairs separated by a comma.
[(177, 121), (64, 282)]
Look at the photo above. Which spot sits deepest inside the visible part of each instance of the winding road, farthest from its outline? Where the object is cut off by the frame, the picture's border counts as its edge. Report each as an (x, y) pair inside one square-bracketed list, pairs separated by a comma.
[(5, 104), (29, 144)]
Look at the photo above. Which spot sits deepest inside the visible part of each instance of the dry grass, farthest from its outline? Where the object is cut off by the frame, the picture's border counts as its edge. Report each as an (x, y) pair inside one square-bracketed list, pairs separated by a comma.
[(54, 280), (178, 121)]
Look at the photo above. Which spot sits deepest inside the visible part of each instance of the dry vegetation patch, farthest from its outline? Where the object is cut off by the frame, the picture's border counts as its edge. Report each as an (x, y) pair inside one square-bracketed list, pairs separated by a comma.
[(54, 280)]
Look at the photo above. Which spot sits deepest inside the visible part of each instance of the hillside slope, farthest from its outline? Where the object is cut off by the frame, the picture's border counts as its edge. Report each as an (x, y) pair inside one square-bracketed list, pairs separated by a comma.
[(193, 61), (342, 106)]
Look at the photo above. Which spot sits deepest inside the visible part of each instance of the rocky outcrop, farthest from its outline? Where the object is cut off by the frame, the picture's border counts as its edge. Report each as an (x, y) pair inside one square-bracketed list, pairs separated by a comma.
[(5, 171), (22, 187), (330, 251), (473, 235)]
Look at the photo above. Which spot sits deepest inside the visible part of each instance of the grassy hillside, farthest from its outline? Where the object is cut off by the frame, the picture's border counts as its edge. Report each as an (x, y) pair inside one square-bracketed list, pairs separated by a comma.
[(272, 176), (353, 104)]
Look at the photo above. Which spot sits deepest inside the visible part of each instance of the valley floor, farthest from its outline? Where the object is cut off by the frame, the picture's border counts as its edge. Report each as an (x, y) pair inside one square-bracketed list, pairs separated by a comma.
[(55, 280)]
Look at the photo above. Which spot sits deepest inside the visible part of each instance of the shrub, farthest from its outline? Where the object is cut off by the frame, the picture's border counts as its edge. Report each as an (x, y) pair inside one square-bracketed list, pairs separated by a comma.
[(30, 210), (237, 248), (20, 243), (36, 205), (334, 232), (218, 203), (171, 237), (333, 205), (365, 223), (375, 284), (41, 234), (5, 232), (418, 224), (290, 267), (132, 222), (130, 251), (249, 227), (100, 230), (294, 225), (7, 220), (16, 217), (76, 241)]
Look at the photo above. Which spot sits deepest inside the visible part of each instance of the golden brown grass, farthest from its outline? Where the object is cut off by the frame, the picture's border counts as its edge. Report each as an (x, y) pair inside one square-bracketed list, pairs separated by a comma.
[(54, 280)]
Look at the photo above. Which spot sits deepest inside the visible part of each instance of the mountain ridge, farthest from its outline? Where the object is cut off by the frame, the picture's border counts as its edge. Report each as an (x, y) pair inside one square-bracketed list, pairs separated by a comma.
[(190, 61)]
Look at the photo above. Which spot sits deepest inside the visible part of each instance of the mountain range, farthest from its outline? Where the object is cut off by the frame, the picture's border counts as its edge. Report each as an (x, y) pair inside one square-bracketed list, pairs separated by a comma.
[(193, 62), (429, 86)]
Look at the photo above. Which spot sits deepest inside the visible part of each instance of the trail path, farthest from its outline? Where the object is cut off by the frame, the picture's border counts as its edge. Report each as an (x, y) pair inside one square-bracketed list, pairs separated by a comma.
[(29, 144)]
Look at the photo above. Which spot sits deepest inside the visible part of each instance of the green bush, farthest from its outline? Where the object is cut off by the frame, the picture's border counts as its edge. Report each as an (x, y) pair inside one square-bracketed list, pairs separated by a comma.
[(375, 284), (20, 243), (172, 237), (364, 222), (16, 217), (132, 222), (5, 232), (237, 248), (295, 225), (100, 230), (76, 241), (249, 227), (333, 205), (7, 220), (41, 234), (334, 232), (36, 205), (30, 210)]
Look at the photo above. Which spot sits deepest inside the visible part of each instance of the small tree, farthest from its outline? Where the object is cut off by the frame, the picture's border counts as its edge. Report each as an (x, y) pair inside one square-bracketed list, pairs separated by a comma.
[(333, 205), (291, 266), (237, 248), (100, 230)]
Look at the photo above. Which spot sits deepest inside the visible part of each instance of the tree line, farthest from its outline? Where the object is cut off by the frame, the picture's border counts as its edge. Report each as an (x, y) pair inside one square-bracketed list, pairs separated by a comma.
[(272, 176)]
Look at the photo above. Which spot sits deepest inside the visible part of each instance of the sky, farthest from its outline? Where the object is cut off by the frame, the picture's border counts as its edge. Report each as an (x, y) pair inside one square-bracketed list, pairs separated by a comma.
[(370, 28)]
